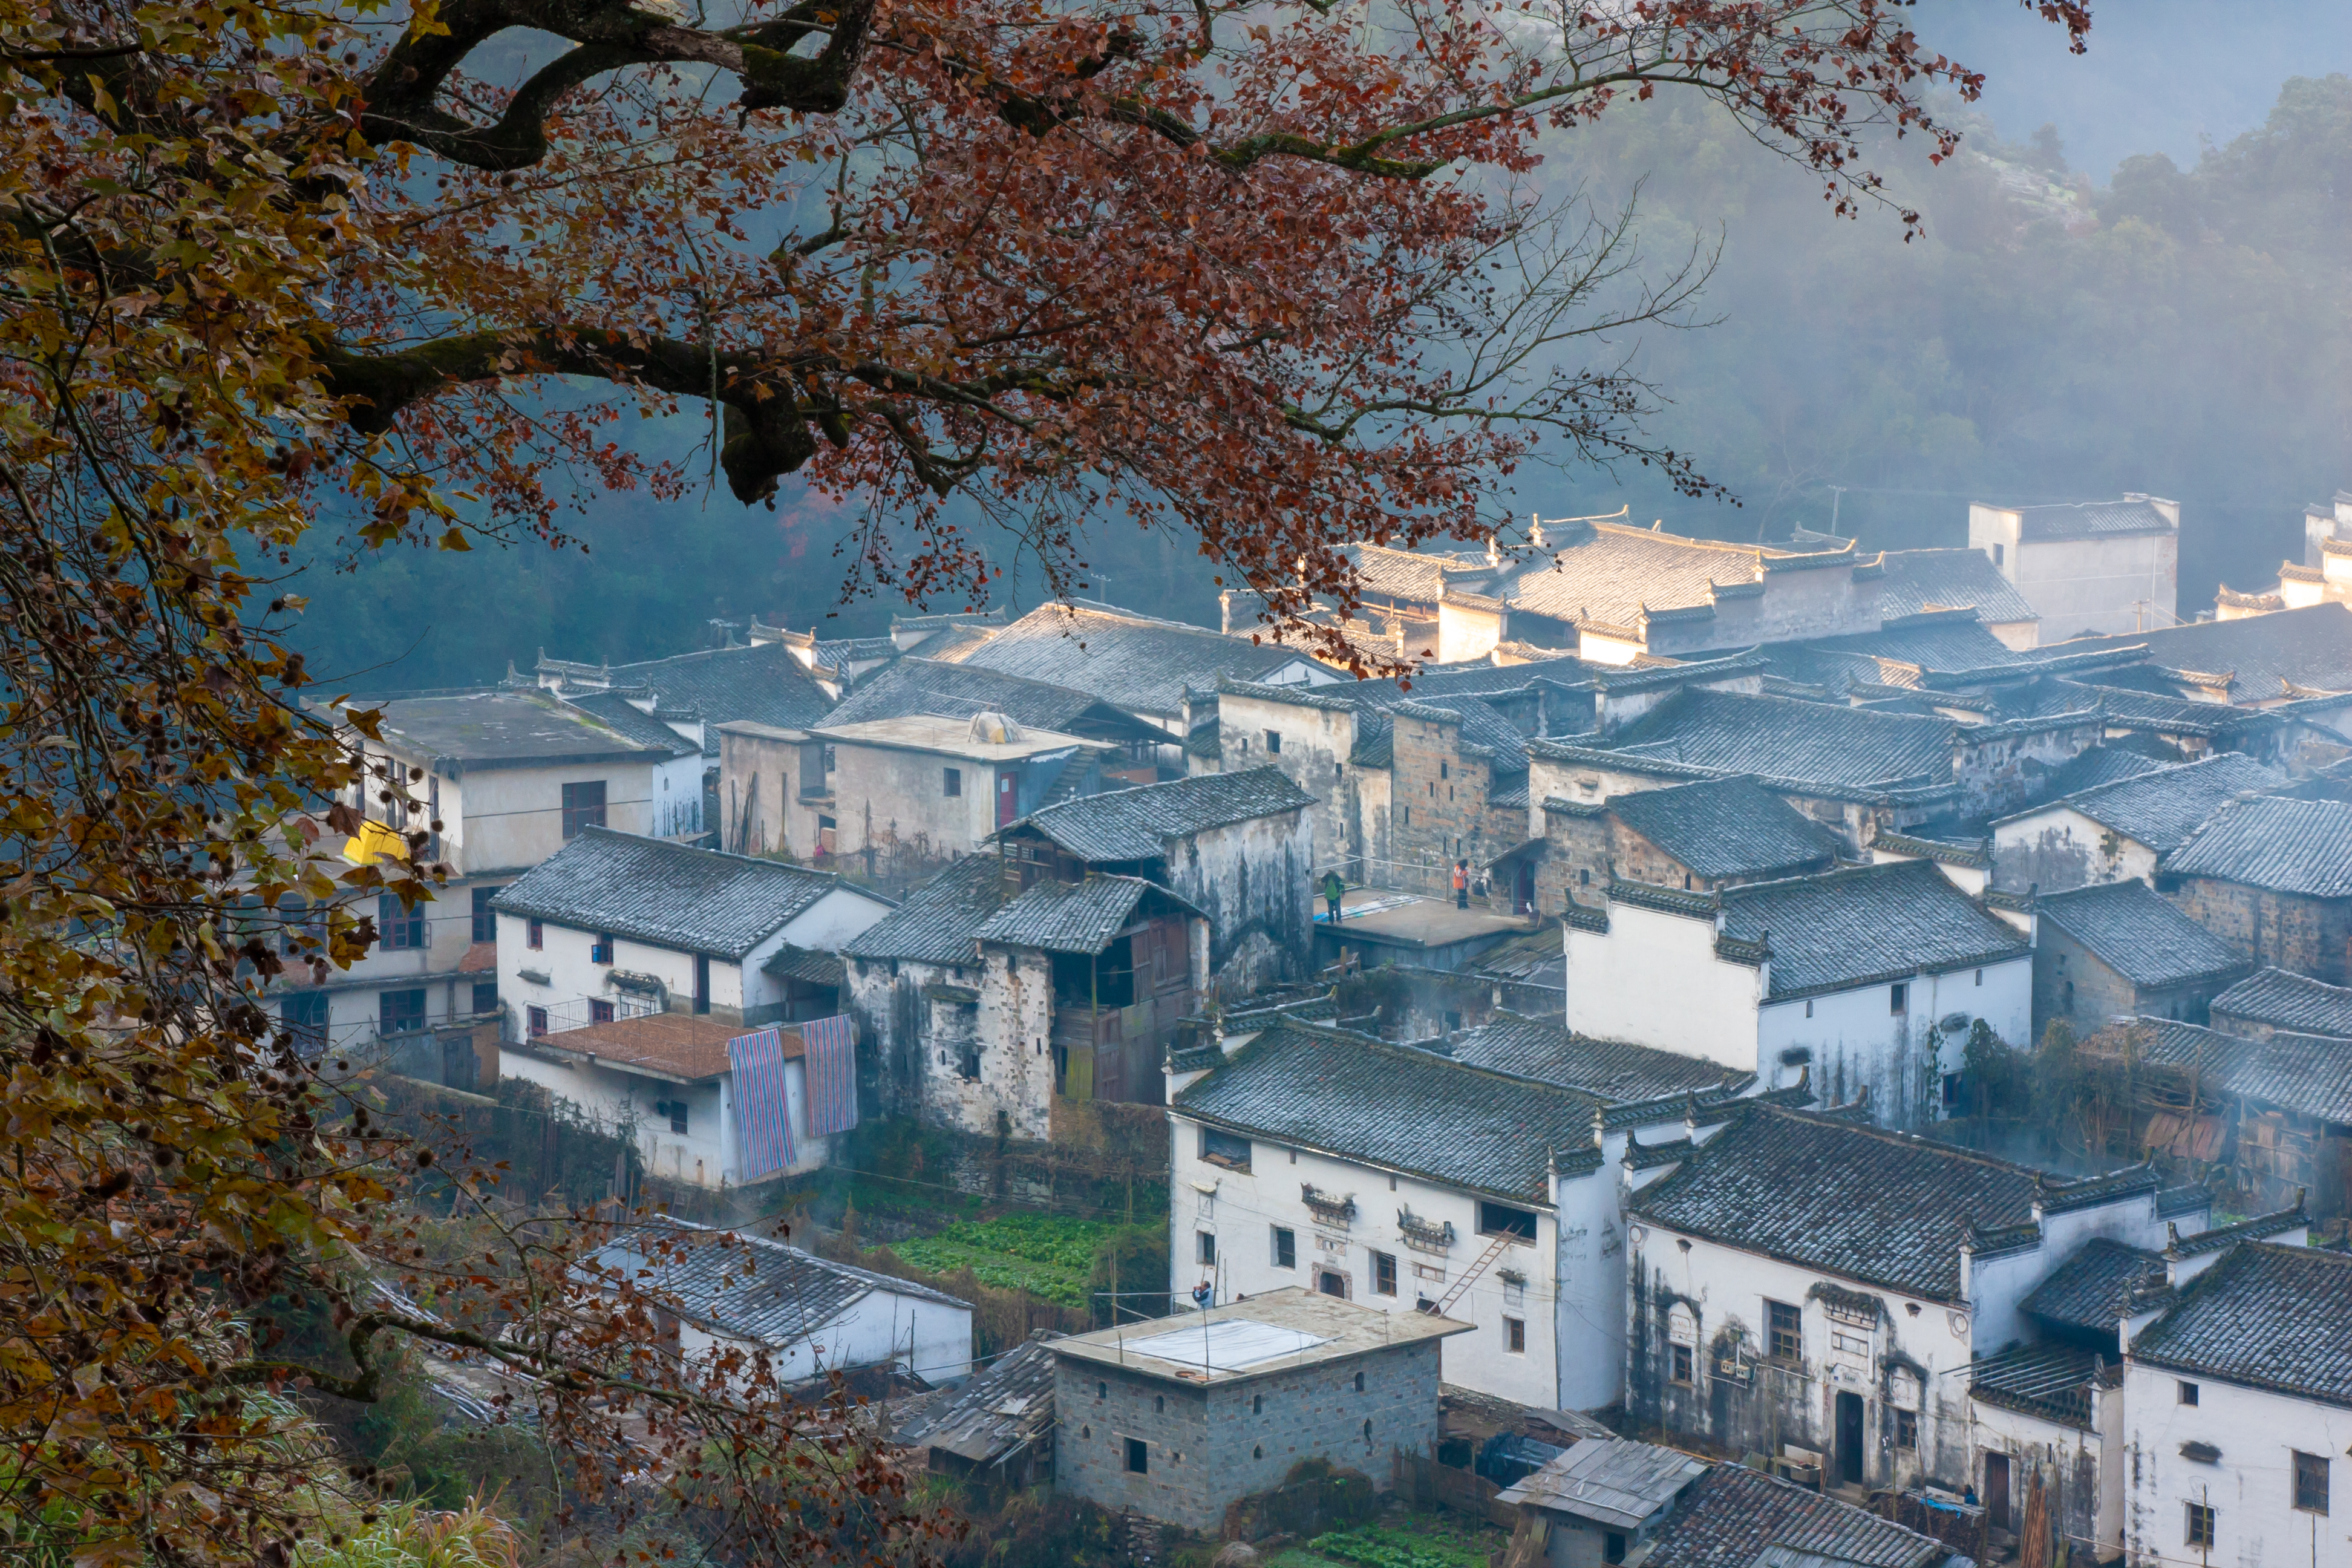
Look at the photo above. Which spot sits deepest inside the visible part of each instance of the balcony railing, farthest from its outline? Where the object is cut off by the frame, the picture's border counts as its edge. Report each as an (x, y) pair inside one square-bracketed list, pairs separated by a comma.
[(522, 1022)]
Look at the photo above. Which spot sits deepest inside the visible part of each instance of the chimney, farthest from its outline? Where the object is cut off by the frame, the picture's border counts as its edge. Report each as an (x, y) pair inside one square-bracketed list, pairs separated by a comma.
[(1536, 530)]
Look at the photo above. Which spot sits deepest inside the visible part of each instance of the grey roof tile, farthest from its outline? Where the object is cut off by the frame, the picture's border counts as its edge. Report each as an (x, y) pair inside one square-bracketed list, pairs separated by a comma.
[(2091, 520), (1134, 662), (1919, 580), (2288, 1001), (938, 922), (925, 686), (1885, 1208), (2051, 1381), (2309, 647), (2091, 1289), (1394, 1106), (2161, 809), (625, 718), (1732, 1515), (1610, 574), (1865, 925), (2098, 765), (1536, 959), (762, 683), (2284, 845), (1782, 738), (1002, 1407), (476, 731), (1130, 824), (1610, 1480), (1934, 643), (2140, 934), (1072, 917), (650, 889), (2267, 1316), (1407, 575), (2307, 1073), (741, 1285), (1728, 828), (1612, 1070)]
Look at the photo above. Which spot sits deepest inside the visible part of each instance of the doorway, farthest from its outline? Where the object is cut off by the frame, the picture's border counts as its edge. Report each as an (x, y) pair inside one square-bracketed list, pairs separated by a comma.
[(1996, 1492), (1523, 891), (1849, 1438)]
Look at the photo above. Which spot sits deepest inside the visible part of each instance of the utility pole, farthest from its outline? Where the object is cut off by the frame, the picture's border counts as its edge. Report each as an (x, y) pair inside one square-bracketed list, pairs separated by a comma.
[(1837, 498)]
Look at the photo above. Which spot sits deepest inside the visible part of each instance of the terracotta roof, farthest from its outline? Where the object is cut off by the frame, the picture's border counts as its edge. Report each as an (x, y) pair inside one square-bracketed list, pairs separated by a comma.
[(673, 1045)]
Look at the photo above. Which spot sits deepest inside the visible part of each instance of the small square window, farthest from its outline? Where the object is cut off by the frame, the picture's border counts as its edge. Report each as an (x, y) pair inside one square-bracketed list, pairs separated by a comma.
[(601, 950), (1139, 1457), (1786, 1331), (599, 1011), (1206, 1241), (1898, 998), (1285, 1247), (2311, 1482), (1274, 743), (2185, 1393), (1226, 1149), (1385, 1274), (536, 1020), (2200, 1524), (401, 1012), (1515, 1335), (400, 927), (583, 806), (485, 996), (1681, 1372), (1907, 1429), (674, 1112), (951, 781)]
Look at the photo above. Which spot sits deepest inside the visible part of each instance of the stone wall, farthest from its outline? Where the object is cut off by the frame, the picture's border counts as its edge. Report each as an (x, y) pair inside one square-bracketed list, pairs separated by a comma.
[(2308, 936), (1439, 809), (1249, 878)]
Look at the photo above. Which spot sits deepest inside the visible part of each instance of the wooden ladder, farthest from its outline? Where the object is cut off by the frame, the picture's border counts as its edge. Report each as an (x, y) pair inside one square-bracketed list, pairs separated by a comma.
[(1470, 1276)]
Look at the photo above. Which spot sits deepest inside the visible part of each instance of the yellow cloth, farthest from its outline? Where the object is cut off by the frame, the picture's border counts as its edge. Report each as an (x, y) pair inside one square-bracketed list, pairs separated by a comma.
[(375, 842)]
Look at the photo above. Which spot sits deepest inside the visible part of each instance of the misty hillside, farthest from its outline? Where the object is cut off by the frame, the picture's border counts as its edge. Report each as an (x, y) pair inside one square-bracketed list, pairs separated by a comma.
[(2180, 329)]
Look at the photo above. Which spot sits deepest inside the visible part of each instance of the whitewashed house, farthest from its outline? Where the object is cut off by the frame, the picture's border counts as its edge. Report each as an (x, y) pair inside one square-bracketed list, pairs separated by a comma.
[(714, 1292), (2116, 832), (1806, 1281), (1870, 977), (627, 964), (2089, 568)]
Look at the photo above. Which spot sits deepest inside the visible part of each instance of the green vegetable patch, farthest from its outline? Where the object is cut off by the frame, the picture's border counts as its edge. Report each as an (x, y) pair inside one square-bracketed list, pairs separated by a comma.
[(1425, 1541), (1047, 1254)]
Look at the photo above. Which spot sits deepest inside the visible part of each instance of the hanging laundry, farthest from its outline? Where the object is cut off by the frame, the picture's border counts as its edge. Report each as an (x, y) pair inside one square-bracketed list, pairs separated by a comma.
[(832, 1074), (764, 1119)]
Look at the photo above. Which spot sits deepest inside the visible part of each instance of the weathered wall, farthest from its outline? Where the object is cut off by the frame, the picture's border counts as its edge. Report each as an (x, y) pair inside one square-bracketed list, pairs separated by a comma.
[(1855, 1040), (2058, 849), (2068, 1460), (2309, 936), (2069, 981), (2007, 771), (1014, 1028), (1441, 811), (1255, 876), (1315, 740), (2258, 1433)]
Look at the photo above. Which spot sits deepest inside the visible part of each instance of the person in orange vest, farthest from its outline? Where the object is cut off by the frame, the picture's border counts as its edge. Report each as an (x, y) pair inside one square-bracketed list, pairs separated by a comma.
[(1462, 884)]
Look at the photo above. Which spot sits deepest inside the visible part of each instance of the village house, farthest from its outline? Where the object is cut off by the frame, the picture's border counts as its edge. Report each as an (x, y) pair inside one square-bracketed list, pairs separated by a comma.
[(994, 1431), (2118, 831), (2273, 877), (1870, 977), (2239, 1408), (1408, 1181), (1806, 1281), (2091, 567), (497, 780), (839, 665), (1922, 582), (716, 1293), (1700, 836), (2272, 1001), (2275, 662), (2325, 522), (1179, 1418), (914, 687), (2117, 948), (627, 964)]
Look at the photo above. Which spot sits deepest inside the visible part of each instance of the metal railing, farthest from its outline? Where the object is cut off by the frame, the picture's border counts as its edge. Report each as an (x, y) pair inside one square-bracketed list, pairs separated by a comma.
[(519, 1023)]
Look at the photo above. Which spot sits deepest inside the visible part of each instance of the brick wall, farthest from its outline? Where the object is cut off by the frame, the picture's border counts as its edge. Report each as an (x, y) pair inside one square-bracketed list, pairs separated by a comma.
[(2309, 936), (2070, 983), (1207, 1448), (1438, 810)]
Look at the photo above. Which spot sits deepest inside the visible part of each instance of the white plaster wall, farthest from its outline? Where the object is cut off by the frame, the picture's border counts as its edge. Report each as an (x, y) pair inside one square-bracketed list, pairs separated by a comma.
[(2091, 584), (878, 1328), (1464, 633), (707, 1154), (1855, 1040), (2058, 849), (2252, 1486), (508, 820), (2049, 1446), (1653, 978), (899, 794)]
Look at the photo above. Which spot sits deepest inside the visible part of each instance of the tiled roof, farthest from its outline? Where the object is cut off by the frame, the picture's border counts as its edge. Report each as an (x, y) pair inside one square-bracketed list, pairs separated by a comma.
[(2268, 1315), (1136, 823), (1007, 1405), (1610, 1480), (763, 683), (626, 718), (1885, 1208), (938, 922), (2161, 809), (1732, 1515), (1936, 643), (2091, 1289), (2140, 934), (2098, 765), (473, 730), (743, 1285), (1728, 828), (1920, 580), (2310, 648), (1388, 1105), (2289, 1001), (683, 1046), (1134, 662), (1781, 737), (1481, 726), (1536, 959), (815, 968), (697, 900), (2090, 519), (1072, 917), (1611, 1069), (2051, 1381), (2311, 1074), (1613, 573), (2284, 845), (918, 686), (1405, 574), (1865, 925)]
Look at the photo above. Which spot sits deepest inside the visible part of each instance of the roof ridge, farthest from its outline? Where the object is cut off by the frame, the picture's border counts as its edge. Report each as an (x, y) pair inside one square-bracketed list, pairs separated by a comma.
[(600, 831), (1413, 1054)]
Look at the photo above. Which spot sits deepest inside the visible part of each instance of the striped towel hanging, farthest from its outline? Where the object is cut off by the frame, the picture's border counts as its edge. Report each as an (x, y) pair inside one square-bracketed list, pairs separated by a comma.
[(763, 1121), (832, 1074)]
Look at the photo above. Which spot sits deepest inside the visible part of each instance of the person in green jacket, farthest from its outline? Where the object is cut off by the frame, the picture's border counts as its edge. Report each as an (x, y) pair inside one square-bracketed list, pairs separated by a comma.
[(1332, 888)]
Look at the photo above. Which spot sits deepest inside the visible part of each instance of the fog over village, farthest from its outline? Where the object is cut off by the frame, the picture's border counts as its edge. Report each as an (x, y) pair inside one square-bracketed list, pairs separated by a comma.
[(1073, 783)]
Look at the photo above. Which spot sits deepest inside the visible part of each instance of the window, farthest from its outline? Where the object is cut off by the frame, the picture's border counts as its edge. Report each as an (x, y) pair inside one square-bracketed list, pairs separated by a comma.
[(1102, 1391), (400, 927), (951, 781), (1515, 1335), (1584, 877), (400, 1011), (537, 937), (1952, 1092), (1442, 772), (2185, 1393), (486, 995), (1898, 998), (304, 1014), (1996, 553), (1285, 1247), (600, 950), (537, 1021), (1907, 1429), (1274, 743), (1385, 1274), (675, 1111), (1979, 976), (1407, 815), (1224, 1149), (583, 806), (1359, 1383), (1785, 1326), (1258, 1404), (2311, 1482), (600, 1010), (1612, 1546), (1207, 1245), (2200, 1522), (1682, 1372), (1138, 1460), (485, 919), (1501, 1219), (968, 1064)]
